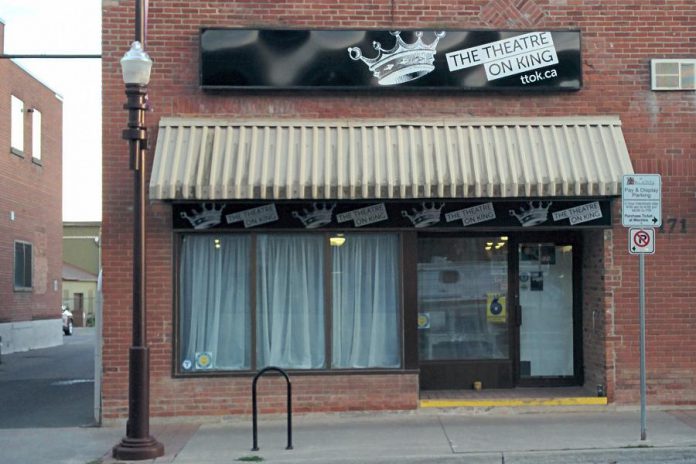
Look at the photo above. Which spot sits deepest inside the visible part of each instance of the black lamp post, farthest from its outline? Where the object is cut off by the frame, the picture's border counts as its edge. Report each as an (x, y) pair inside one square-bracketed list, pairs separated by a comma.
[(138, 444)]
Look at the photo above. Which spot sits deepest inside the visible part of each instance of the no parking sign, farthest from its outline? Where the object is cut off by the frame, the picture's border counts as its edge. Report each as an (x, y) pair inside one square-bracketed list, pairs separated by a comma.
[(641, 240)]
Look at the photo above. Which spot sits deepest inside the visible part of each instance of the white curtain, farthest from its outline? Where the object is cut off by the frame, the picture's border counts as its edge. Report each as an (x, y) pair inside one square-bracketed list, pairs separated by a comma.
[(290, 301), (365, 302), (215, 305)]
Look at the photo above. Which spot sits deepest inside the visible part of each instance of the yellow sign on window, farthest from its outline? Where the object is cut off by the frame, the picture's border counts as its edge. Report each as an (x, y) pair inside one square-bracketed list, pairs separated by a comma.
[(496, 309), (204, 360), (423, 320)]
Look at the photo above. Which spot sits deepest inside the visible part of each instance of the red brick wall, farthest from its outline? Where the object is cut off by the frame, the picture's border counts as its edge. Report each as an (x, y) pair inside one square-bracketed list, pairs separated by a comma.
[(593, 307), (33, 191), (618, 38), (310, 393)]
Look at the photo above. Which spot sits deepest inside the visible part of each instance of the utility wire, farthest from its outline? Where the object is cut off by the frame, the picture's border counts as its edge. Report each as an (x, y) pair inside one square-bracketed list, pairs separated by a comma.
[(24, 55)]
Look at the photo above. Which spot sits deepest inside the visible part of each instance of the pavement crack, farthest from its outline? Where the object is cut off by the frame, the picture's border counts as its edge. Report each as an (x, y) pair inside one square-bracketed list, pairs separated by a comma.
[(444, 431)]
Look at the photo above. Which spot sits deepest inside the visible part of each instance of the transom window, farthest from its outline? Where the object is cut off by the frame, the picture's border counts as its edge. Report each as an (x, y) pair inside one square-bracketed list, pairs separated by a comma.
[(296, 300)]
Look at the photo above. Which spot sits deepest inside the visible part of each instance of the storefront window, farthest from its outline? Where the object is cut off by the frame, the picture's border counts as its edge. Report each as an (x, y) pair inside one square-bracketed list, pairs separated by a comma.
[(365, 302), (292, 302), (215, 325), (462, 298)]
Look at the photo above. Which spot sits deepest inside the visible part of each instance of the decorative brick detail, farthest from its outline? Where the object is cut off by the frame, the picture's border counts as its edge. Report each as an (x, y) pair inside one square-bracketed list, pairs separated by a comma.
[(511, 14)]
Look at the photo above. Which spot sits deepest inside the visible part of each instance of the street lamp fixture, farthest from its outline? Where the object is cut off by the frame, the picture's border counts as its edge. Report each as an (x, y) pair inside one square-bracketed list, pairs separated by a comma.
[(136, 65), (138, 444)]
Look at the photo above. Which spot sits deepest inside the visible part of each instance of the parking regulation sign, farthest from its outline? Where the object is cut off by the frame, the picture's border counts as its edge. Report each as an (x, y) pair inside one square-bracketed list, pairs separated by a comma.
[(641, 240), (641, 200)]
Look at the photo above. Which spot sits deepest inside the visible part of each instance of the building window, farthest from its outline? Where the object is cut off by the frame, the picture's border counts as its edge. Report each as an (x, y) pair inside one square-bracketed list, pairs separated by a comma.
[(462, 293), (215, 305), (36, 135), (364, 272), (290, 301), (290, 307), (22, 266), (17, 126), (673, 74)]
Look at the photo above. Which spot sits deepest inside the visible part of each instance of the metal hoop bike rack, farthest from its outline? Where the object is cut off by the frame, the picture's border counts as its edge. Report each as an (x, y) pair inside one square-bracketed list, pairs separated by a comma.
[(255, 409)]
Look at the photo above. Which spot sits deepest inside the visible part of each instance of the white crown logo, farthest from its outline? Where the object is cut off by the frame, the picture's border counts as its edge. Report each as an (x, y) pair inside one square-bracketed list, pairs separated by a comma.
[(206, 217), (403, 63), (320, 215), (537, 213), (427, 216)]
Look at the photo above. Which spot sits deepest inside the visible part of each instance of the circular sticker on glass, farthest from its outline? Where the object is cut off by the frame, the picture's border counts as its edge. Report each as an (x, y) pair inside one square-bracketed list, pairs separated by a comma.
[(424, 320), (187, 364), (204, 360)]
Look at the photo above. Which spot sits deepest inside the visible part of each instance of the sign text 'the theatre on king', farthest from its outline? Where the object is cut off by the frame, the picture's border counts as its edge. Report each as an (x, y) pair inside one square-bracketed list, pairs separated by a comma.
[(416, 59)]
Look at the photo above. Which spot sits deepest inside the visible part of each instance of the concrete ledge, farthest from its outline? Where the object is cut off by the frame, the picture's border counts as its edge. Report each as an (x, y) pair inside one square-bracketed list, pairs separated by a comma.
[(30, 335)]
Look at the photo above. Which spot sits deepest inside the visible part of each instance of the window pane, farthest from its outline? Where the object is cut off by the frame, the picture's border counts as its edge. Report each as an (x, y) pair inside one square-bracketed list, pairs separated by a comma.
[(22, 265), (27, 265), (17, 129), (667, 81), (688, 77), (215, 323), (290, 301), (36, 134), (546, 298), (365, 303), (462, 293), (671, 67), (19, 265)]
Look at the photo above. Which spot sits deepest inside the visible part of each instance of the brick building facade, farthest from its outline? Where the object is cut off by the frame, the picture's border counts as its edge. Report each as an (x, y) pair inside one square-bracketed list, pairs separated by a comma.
[(618, 40), (30, 201)]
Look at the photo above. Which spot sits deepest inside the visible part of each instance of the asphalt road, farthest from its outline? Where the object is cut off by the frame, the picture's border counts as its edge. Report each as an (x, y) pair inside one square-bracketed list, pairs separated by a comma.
[(50, 387)]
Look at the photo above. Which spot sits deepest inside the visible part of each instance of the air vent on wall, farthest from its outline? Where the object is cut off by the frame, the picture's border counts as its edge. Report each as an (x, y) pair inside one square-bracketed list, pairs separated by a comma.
[(673, 74)]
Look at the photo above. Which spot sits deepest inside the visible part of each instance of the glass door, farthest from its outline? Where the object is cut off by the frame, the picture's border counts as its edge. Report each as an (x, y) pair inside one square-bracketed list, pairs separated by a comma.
[(546, 314), (464, 328)]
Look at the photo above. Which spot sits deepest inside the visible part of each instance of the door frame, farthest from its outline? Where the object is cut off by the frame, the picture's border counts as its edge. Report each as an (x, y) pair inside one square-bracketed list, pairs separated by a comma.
[(459, 374), (558, 239)]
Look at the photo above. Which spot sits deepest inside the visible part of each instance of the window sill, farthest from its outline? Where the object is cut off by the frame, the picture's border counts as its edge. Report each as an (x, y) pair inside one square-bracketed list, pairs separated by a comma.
[(17, 152), (23, 289), (302, 373), (36, 161)]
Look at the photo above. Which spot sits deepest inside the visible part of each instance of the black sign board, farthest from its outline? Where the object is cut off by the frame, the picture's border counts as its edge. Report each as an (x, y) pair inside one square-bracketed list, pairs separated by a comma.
[(434, 59), (493, 215)]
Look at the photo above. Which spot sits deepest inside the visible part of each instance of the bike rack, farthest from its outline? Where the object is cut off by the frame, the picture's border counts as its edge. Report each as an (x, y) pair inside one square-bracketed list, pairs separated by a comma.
[(255, 411)]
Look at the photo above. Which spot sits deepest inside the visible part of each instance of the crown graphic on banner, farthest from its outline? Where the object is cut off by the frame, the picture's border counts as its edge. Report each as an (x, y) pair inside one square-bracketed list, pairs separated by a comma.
[(535, 214), (318, 216), (206, 218), (428, 215), (405, 62)]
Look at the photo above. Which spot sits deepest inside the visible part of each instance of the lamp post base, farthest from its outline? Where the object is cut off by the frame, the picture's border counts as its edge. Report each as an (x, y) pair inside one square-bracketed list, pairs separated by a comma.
[(138, 449)]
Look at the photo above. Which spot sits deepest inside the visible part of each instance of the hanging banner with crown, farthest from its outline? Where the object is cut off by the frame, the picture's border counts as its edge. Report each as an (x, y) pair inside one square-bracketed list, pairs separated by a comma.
[(338, 214), (422, 59)]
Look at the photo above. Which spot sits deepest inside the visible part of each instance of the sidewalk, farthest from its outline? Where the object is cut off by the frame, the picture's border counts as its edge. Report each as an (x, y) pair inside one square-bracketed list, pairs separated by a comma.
[(437, 436)]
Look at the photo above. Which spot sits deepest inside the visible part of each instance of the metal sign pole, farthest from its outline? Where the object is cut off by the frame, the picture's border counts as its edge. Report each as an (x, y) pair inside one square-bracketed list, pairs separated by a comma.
[(641, 207), (643, 431)]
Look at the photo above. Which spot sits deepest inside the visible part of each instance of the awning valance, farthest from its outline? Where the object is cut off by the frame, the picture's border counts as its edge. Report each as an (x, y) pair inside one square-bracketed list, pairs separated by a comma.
[(208, 159)]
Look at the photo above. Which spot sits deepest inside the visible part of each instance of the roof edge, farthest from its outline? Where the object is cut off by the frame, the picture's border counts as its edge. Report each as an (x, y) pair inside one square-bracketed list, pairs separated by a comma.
[(610, 120)]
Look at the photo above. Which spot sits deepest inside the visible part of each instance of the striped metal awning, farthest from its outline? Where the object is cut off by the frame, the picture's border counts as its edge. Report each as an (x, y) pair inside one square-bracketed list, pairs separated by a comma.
[(209, 159)]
